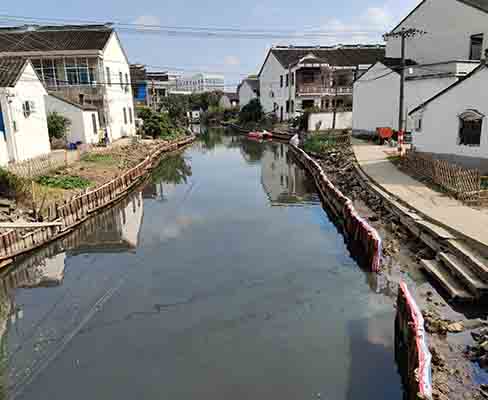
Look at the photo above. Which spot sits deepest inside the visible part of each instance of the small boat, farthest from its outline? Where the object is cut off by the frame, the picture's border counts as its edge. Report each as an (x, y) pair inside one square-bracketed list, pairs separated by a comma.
[(260, 135)]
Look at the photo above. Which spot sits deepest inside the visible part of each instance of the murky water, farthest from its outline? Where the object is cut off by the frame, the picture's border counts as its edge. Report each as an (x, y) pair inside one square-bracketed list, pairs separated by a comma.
[(223, 278)]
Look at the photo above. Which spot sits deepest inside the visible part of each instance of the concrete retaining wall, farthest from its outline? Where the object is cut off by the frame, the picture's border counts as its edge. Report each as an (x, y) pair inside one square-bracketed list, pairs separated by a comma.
[(363, 238)]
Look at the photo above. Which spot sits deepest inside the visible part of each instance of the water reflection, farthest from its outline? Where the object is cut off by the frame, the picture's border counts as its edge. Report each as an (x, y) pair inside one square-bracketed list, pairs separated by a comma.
[(36, 339), (224, 297), (284, 181)]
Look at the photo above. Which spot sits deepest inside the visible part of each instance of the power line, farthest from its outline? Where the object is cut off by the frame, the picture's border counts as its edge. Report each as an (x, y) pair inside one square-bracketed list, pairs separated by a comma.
[(199, 31)]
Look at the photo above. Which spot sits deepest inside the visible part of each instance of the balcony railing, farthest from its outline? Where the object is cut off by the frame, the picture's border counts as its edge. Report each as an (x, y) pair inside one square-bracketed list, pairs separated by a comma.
[(89, 93), (321, 90)]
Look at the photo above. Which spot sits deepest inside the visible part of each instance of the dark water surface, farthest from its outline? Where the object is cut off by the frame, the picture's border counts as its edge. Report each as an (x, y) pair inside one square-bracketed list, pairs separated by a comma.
[(223, 278)]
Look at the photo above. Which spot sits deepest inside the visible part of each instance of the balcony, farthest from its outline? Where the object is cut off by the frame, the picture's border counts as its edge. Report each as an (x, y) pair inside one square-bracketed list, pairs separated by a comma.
[(77, 93), (320, 90)]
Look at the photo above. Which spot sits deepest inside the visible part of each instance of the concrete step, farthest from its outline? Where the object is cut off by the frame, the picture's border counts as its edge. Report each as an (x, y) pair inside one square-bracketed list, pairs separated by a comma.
[(465, 274), (450, 283), (470, 257)]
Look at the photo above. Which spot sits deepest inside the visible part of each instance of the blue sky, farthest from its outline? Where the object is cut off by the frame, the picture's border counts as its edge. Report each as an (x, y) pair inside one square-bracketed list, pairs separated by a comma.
[(233, 57)]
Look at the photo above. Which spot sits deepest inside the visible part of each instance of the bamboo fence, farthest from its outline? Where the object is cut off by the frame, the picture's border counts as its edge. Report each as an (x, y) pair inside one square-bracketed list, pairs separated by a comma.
[(462, 183)]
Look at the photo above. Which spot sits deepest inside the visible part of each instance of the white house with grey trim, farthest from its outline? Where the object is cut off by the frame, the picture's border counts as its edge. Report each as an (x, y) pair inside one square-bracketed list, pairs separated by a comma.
[(452, 125), (248, 90), (84, 63), (84, 123), (451, 47), (295, 78), (23, 123)]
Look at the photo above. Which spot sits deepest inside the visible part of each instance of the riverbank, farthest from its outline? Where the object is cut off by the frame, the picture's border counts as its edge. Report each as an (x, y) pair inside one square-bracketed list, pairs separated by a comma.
[(454, 376), (66, 216)]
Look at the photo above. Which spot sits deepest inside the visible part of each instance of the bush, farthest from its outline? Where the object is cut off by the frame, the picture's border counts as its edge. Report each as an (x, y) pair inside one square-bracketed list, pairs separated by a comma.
[(12, 186), (63, 182), (319, 143), (251, 112), (57, 125), (159, 125)]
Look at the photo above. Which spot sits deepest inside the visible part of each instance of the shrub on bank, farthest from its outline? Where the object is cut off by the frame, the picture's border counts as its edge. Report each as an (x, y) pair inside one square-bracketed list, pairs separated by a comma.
[(159, 125)]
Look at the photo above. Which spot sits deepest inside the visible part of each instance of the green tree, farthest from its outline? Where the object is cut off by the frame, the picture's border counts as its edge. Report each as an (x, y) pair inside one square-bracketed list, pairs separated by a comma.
[(57, 125), (177, 107), (156, 124), (251, 112)]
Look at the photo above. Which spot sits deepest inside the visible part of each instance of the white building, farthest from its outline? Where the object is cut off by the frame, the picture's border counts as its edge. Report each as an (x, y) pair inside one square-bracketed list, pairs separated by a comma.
[(85, 64), (293, 78), (23, 122), (229, 100), (248, 90), (84, 124), (201, 83), (453, 125), (450, 48)]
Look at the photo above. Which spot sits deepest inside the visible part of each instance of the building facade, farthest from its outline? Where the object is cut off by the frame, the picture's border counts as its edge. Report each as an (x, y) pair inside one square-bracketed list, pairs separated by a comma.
[(23, 122), (293, 79), (201, 83), (453, 124), (84, 123), (85, 64), (248, 90), (150, 87), (453, 35)]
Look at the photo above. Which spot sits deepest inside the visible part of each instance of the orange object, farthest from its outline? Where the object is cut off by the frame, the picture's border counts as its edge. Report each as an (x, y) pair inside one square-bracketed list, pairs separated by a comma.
[(384, 133)]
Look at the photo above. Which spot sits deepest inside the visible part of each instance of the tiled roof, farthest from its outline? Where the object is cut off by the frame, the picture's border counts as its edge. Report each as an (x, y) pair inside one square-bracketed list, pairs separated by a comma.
[(254, 85), (449, 88), (10, 71), (337, 56), (232, 96), (480, 4), (395, 63), (54, 38)]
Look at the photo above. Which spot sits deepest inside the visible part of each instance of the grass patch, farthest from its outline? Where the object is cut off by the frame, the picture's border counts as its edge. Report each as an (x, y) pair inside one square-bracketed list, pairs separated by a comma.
[(63, 182), (99, 158), (319, 143)]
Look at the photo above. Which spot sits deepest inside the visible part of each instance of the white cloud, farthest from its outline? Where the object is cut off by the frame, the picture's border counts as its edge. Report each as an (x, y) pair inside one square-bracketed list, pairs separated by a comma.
[(232, 61), (368, 26), (147, 20)]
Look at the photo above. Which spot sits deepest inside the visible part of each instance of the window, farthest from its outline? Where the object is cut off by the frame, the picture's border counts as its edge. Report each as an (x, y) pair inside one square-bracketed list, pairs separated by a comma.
[(418, 124), (287, 106), (292, 106), (476, 47), (287, 80), (109, 78), (126, 83), (121, 81), (28, 108), (94, 124), (125, 116), (130, 116), (470, 125), (281, 80), (292, 79)]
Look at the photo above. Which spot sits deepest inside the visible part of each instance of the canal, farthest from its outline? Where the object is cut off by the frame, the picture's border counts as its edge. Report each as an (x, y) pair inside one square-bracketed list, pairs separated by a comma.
[(222, 278)]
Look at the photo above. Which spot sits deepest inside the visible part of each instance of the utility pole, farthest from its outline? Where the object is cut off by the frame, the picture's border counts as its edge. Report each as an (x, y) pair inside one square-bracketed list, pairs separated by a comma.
[(403, 34)]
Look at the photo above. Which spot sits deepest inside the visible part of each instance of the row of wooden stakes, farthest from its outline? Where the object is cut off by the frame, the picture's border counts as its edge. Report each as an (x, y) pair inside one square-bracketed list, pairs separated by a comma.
[(79, 208)]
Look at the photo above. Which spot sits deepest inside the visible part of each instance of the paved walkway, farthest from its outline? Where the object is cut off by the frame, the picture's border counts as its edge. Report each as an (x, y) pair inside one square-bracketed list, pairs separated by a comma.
[(437, 206)]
